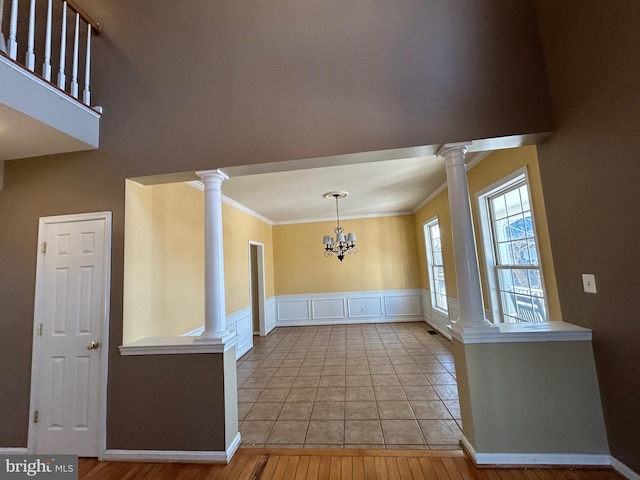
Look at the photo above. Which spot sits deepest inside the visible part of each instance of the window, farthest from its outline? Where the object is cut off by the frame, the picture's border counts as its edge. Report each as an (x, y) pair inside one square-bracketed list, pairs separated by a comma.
[(511, 251), (435, 265)]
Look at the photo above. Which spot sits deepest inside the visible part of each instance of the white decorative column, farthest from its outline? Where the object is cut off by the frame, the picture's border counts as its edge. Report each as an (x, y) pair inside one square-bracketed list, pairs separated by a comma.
[(214, 295), (464, 243)]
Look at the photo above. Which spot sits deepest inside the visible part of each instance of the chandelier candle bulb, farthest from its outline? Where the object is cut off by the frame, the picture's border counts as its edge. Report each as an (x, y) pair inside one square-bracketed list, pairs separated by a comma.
[(341, 245)]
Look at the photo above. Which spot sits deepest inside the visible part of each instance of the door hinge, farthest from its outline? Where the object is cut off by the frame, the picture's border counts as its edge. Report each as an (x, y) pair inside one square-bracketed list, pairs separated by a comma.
[(36, 414), (40, 329), (44, 247)]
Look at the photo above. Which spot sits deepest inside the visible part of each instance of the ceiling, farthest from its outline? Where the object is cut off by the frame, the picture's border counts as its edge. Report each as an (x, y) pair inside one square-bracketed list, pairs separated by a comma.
[(387, 187)]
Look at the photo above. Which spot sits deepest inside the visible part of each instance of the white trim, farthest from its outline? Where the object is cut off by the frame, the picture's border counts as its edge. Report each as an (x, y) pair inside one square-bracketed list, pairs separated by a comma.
[(104, 338), (270, 308), (246, 210), (431, 197), (345, 217), (178, 345), (370, 306), (196, 332), (523, 333), (473, 159), (486, 237), (59, 92), (243, 345), (243, 337), (262, 294), (533, 458), (435, 318), (623, 470), (14, 450), (229, 201), (173, 455), (442, 332)]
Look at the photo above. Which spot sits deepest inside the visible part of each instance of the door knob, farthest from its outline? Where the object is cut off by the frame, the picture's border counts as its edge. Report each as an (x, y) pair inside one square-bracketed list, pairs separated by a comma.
[(93, 345)]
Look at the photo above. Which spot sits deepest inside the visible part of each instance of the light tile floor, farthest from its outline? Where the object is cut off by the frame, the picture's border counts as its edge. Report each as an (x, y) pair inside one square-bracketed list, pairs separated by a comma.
[(387, 385)]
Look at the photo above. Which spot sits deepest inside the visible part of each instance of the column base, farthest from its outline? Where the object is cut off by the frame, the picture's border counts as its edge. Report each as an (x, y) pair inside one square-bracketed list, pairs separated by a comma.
[(463, 332), (218, 338)]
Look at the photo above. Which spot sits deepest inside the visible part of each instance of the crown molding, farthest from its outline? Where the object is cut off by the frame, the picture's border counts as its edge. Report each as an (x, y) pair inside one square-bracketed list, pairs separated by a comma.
[(229, 201), (344, 217), (473, 159)]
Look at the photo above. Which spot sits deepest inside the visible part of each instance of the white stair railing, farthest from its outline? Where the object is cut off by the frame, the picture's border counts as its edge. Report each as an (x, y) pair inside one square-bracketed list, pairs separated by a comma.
[(9, 45)]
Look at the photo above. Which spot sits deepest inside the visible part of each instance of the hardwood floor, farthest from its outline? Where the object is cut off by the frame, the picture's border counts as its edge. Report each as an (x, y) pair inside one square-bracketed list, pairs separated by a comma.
[(320, 464)]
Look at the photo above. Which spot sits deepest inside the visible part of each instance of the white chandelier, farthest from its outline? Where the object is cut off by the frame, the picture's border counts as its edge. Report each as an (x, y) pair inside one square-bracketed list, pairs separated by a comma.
[(340, 245)]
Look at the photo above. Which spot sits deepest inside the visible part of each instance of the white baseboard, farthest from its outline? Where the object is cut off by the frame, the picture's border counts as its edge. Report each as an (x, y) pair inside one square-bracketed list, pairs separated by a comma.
[(231, 450), (14, 450), (172, 455), (438, 329), (533, 458), (623, 470)]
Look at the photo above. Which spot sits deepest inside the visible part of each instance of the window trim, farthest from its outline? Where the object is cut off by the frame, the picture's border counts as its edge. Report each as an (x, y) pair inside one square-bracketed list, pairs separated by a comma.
[(488, 244), (429, 257)]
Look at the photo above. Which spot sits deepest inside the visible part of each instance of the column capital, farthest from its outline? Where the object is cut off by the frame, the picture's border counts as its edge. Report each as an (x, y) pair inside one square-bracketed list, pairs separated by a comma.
[(212, 175), (449, 150)]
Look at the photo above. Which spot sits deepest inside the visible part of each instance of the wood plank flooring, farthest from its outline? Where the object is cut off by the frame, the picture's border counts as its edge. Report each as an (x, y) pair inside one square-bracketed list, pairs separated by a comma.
[(321, 464)]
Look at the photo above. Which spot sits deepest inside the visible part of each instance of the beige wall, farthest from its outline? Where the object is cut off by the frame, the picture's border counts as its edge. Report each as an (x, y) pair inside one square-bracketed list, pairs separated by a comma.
[(164, 259), (164, 268), (239, 229), (490, 170), (385, 259), (530, 397)]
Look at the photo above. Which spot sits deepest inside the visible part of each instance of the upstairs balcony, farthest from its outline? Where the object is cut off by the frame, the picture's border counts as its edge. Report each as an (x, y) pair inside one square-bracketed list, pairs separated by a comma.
[(45, 74)]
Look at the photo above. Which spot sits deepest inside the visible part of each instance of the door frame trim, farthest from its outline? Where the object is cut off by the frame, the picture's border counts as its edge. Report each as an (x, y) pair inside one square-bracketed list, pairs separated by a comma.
[(104, 354), (262, 294)]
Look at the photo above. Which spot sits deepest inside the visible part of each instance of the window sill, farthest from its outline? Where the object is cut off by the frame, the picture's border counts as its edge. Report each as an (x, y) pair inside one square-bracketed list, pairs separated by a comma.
[(177, 345), (554, 331)]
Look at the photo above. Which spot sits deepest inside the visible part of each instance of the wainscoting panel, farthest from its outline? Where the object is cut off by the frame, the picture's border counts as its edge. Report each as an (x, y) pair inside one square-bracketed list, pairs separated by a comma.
[(330, 308), (244, 330), (398, 306), (349, 307), (426, 304), (363, 307), (436, 320), (270, 308), (292, 310), (439, 322)]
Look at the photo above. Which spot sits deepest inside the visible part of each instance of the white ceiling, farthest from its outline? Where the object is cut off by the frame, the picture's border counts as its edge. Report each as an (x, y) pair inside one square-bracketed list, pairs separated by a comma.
[(378, 188)]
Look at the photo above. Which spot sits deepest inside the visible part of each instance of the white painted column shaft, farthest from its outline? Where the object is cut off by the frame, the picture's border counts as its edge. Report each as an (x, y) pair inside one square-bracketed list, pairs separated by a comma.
[(464, 244), (214, 295)]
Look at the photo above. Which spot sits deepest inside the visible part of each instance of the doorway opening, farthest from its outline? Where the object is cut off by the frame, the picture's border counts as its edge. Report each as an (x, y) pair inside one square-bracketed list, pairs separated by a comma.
[(257, 288)]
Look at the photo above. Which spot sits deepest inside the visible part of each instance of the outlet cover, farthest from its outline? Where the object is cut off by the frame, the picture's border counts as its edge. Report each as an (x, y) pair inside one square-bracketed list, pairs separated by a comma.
[(589, 283)]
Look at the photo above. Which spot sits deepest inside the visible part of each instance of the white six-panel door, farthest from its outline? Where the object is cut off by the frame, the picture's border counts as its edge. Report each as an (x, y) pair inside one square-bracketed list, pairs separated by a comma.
[(70, 334)]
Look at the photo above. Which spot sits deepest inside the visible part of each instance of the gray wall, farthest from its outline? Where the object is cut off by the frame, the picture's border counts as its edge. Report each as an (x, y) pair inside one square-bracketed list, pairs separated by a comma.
[(591, 179), (536, 397), (167, 401), (189, 85)]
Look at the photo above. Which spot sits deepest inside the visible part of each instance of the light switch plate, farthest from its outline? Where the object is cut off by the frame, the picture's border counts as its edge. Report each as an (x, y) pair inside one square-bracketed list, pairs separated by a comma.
[(589, 283)]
